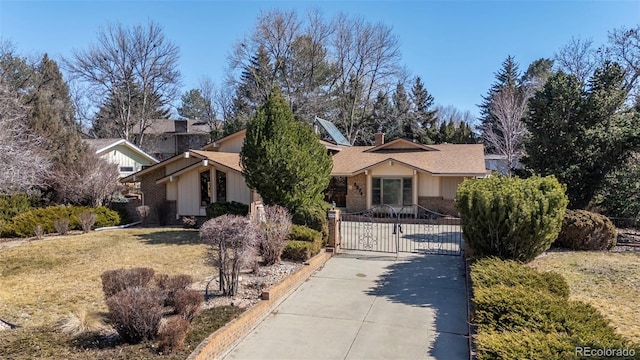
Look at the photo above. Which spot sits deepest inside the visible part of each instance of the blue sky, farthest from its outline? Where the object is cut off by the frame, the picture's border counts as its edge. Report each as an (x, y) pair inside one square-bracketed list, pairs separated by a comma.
[(455, 46)]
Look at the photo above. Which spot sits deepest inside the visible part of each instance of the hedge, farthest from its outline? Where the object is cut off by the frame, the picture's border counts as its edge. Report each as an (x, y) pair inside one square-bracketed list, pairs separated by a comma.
[(523, 314), (222, 208), (23, 225)]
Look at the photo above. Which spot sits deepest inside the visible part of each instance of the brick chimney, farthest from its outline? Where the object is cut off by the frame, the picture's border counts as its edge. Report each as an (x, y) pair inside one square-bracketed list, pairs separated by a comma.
[(378, 138)]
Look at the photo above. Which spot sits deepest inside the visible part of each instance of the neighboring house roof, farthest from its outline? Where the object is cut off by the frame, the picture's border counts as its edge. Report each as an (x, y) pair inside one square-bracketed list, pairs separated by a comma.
[(171, 126), (444, 159), (104, 145)]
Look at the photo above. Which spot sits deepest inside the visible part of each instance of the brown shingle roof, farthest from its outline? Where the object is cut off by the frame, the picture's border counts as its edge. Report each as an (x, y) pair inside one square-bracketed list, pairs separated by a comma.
[(98, 144), (230, 160), (445, 159)]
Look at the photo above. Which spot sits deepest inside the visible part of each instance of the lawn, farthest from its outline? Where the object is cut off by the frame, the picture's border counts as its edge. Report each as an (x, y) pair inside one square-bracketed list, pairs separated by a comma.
[(608, 281), (41, 281)]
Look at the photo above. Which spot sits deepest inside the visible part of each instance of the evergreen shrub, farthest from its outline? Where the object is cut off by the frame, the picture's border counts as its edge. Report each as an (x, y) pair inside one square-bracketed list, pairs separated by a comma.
[(584, 230), (23, 225), (227, 208), (511, 218)]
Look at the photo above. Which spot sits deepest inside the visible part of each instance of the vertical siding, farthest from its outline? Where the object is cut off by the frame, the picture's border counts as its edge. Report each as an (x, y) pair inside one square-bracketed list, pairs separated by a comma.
[(180, 164), (449, 186), (237, 189), (189, 193), (395, 170), (429, 185), (172, 191), (124, 156)]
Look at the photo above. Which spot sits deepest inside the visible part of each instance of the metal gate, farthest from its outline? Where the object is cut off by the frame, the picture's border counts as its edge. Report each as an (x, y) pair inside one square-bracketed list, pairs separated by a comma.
[(414, 228)]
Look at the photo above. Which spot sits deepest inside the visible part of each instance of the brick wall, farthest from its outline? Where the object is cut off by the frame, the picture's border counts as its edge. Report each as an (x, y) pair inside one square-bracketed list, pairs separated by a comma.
[(357, 193), (438, 204), (224, 339), (154, 195)]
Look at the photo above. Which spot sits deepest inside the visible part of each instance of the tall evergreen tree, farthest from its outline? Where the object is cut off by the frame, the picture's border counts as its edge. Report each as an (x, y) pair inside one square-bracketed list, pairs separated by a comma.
[(407, 123), (424, 115), (579, 135), (283, 159)]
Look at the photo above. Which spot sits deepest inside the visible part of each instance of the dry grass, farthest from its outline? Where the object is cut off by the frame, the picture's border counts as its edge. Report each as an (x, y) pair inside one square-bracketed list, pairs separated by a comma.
[(43, 281), (608, 281)]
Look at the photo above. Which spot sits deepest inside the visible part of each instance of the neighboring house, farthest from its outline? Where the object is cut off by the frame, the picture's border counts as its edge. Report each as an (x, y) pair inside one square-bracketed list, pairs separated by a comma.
[(130, 158), (399, 173), (166, 138), (499, 164)]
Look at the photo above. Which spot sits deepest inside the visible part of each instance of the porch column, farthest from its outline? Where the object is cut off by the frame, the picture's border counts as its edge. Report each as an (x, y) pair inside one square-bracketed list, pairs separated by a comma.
[(414, 192), (368, 188), (334, 229)]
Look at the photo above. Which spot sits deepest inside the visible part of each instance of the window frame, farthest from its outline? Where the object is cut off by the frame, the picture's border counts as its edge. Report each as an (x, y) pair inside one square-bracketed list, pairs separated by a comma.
[(405, 190)]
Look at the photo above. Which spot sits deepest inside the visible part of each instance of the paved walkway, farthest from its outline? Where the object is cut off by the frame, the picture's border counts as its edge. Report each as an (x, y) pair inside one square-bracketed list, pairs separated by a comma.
[(368, 307)]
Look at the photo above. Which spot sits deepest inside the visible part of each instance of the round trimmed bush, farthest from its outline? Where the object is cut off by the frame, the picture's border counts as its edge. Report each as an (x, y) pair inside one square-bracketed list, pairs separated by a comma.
[(584, 230), (511, 218)]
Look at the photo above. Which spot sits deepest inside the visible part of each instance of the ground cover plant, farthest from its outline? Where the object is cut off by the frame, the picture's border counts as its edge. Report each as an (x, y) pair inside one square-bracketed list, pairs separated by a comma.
[(522, 313), (608, 281)]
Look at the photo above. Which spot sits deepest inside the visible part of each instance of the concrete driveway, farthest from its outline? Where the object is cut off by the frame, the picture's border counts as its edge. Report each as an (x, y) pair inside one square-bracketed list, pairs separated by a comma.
[(362, 306)]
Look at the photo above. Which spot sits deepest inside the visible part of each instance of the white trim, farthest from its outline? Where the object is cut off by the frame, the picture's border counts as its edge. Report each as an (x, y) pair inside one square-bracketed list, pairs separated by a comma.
[(129, 145)]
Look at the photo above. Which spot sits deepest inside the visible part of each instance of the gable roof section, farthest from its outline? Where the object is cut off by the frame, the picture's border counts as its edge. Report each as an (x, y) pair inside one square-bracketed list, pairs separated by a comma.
[(401, 144), (227, 161), (104, 145), (444, 160), (216, 144)]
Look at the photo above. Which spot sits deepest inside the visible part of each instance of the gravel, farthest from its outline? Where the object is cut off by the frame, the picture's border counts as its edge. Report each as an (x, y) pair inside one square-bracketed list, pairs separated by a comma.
[(250, 285)]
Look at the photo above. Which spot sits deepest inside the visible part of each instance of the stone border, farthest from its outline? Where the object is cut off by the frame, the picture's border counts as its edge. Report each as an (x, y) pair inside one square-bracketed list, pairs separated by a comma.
[(218, 344)]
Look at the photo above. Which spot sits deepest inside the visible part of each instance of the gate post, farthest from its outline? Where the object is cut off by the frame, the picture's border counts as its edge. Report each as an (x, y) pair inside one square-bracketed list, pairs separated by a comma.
[(334, 229)]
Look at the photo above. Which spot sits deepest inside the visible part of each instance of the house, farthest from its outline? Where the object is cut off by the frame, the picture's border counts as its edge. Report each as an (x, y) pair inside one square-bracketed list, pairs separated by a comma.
[(165, 138), (499, 164), (399, 173), (129, 157)]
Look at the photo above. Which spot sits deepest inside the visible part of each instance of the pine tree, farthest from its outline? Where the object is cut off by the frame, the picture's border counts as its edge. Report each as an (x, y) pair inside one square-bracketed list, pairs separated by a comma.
[(507, 77), (256, 81), (424, 116), (407, 123), (382, 116), (283, 159), (581, 135)]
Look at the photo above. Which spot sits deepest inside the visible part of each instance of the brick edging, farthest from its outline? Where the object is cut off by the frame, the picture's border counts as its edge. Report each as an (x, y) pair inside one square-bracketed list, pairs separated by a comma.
[(216, 345)]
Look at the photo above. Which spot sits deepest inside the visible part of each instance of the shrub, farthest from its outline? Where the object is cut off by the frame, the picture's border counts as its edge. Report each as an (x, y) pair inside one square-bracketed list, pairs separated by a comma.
[(234, 243), (273, 233), (314, 217), (114, 281), (87, 220), (524, 344), (23, 225), (81, 322), (511, 218), (172, 334), (61, 225), (120, 207), (105, 217), (304, 243), (12, 205), (584, 230), (227, 208), (187, 303), (489, 272), (172, 284), (163, 213), (38, 232), (144, 211), (136, 312), (189, 222)]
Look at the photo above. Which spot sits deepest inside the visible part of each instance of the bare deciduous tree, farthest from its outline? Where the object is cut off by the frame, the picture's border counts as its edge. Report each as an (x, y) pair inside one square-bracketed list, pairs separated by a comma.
[(91, 182), (136, 67), (367, 61), (274, 233), (25, 165), (508, 107), (578, 57), (624, 47)]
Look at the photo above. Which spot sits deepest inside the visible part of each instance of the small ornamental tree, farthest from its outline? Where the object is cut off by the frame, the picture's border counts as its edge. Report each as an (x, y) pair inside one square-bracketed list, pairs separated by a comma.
[(273, 232), (234, 242), (511, 218), (283, 159)]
